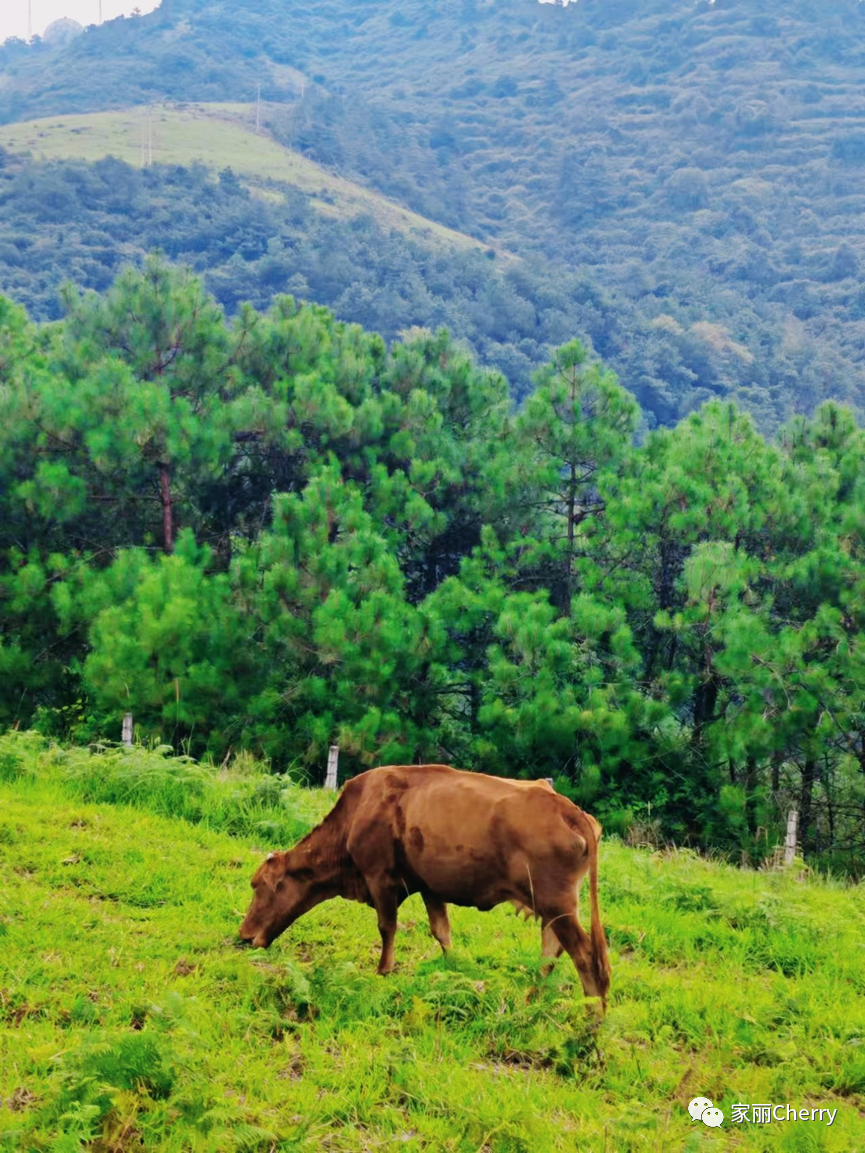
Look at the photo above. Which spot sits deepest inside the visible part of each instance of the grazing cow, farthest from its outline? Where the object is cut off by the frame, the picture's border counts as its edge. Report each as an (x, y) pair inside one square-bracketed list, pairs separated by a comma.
[(451, 836)]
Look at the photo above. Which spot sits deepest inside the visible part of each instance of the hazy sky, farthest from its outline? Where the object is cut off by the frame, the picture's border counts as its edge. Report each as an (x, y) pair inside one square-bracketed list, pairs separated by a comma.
[(13, 13)]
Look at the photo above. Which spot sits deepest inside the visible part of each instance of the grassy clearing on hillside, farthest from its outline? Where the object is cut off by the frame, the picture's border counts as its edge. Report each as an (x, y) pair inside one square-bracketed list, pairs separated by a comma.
[(129, 1014), (218, 136)]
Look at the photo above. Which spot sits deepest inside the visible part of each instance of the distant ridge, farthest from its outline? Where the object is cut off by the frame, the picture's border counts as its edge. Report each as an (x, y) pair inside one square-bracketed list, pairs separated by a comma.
[(698, 165), (218, 136)]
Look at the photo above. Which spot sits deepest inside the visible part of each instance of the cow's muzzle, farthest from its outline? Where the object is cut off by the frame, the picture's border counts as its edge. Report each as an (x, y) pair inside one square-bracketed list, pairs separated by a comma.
[(255, 940)]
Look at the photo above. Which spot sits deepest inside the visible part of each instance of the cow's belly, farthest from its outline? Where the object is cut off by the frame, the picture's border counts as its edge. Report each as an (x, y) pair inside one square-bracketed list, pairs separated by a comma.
[(480, 886), (462, 853)]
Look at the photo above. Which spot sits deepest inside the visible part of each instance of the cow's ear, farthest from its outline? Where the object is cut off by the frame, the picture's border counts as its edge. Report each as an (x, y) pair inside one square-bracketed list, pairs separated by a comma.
[(271, 856)]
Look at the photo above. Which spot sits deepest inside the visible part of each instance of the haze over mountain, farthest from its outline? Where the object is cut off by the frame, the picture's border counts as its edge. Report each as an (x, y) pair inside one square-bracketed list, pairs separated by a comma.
[(697, 168), (16, 15)]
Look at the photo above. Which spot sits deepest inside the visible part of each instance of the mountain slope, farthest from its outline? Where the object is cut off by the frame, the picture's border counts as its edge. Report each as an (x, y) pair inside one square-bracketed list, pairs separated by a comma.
[(231, 204), (217, 136), (700, 163)]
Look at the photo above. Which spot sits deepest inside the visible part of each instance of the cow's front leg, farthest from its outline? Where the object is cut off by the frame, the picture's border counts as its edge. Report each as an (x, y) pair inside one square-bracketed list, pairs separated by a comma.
[(439, 925), (386, 906), (551, 948)]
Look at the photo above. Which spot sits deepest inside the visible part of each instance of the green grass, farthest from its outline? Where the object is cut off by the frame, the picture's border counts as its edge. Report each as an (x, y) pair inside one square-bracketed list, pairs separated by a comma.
[(130, 1018), (218, 136)]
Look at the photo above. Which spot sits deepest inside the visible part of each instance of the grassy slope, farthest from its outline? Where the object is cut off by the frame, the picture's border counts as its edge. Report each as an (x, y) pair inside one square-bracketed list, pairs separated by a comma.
[(218, 136), (126, 1009)]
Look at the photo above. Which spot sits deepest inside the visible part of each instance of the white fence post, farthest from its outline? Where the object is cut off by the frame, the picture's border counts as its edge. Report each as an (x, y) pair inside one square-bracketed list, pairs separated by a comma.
[(127, 730), (332, 760), (790, 844)]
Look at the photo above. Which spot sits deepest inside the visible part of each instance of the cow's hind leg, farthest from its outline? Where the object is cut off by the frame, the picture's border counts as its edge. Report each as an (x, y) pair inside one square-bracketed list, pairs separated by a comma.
[(574, 938), (551, 948), (439, 925)]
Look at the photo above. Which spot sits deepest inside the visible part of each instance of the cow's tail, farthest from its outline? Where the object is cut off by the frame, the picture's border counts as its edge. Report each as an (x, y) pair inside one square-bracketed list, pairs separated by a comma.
[(599, 939)]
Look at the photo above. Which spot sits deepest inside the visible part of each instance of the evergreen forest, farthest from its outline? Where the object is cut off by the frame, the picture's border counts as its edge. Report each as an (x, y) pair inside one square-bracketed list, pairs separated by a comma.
[(274, 532), (66, 220)]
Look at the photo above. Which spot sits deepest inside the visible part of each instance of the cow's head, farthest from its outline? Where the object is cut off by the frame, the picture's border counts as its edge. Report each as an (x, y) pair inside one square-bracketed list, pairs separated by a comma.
[(281, 894)]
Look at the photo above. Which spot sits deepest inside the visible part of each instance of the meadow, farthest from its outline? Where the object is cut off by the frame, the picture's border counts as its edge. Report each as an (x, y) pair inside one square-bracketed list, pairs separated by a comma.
[(131, 1018)]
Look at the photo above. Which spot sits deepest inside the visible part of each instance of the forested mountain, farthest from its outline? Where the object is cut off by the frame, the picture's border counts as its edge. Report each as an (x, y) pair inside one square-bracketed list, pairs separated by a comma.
[(702, 163), (67, 220)]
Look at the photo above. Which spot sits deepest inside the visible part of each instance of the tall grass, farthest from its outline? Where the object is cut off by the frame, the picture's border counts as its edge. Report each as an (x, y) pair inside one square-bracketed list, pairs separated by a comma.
[(243, 799)]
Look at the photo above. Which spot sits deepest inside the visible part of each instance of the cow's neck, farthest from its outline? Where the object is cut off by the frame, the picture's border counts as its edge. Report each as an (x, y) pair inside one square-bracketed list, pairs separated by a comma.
[(333, 873)]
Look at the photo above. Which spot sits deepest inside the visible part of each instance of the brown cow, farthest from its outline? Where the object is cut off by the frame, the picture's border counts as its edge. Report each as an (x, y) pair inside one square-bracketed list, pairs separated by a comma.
[(453, 837)]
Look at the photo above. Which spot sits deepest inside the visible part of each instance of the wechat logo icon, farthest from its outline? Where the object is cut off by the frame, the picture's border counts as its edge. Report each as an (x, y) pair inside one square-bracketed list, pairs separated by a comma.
[(702, 1109)]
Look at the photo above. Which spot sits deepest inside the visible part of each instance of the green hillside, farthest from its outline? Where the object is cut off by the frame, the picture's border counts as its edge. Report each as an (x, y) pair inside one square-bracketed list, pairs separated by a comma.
[(130, 1017), (217, 136), (256, 219), (697, 166)]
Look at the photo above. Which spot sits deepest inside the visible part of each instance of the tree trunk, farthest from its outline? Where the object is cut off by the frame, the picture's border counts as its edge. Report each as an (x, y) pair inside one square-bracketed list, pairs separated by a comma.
[(751, 794), (474, 704), (572, 517), (809, 775), (777, 758), (705, 699), (830, 812), (663, 645), (167, 510)]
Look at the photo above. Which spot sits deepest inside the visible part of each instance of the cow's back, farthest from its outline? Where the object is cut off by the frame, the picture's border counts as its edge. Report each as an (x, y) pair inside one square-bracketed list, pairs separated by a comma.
[(469, 839)]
